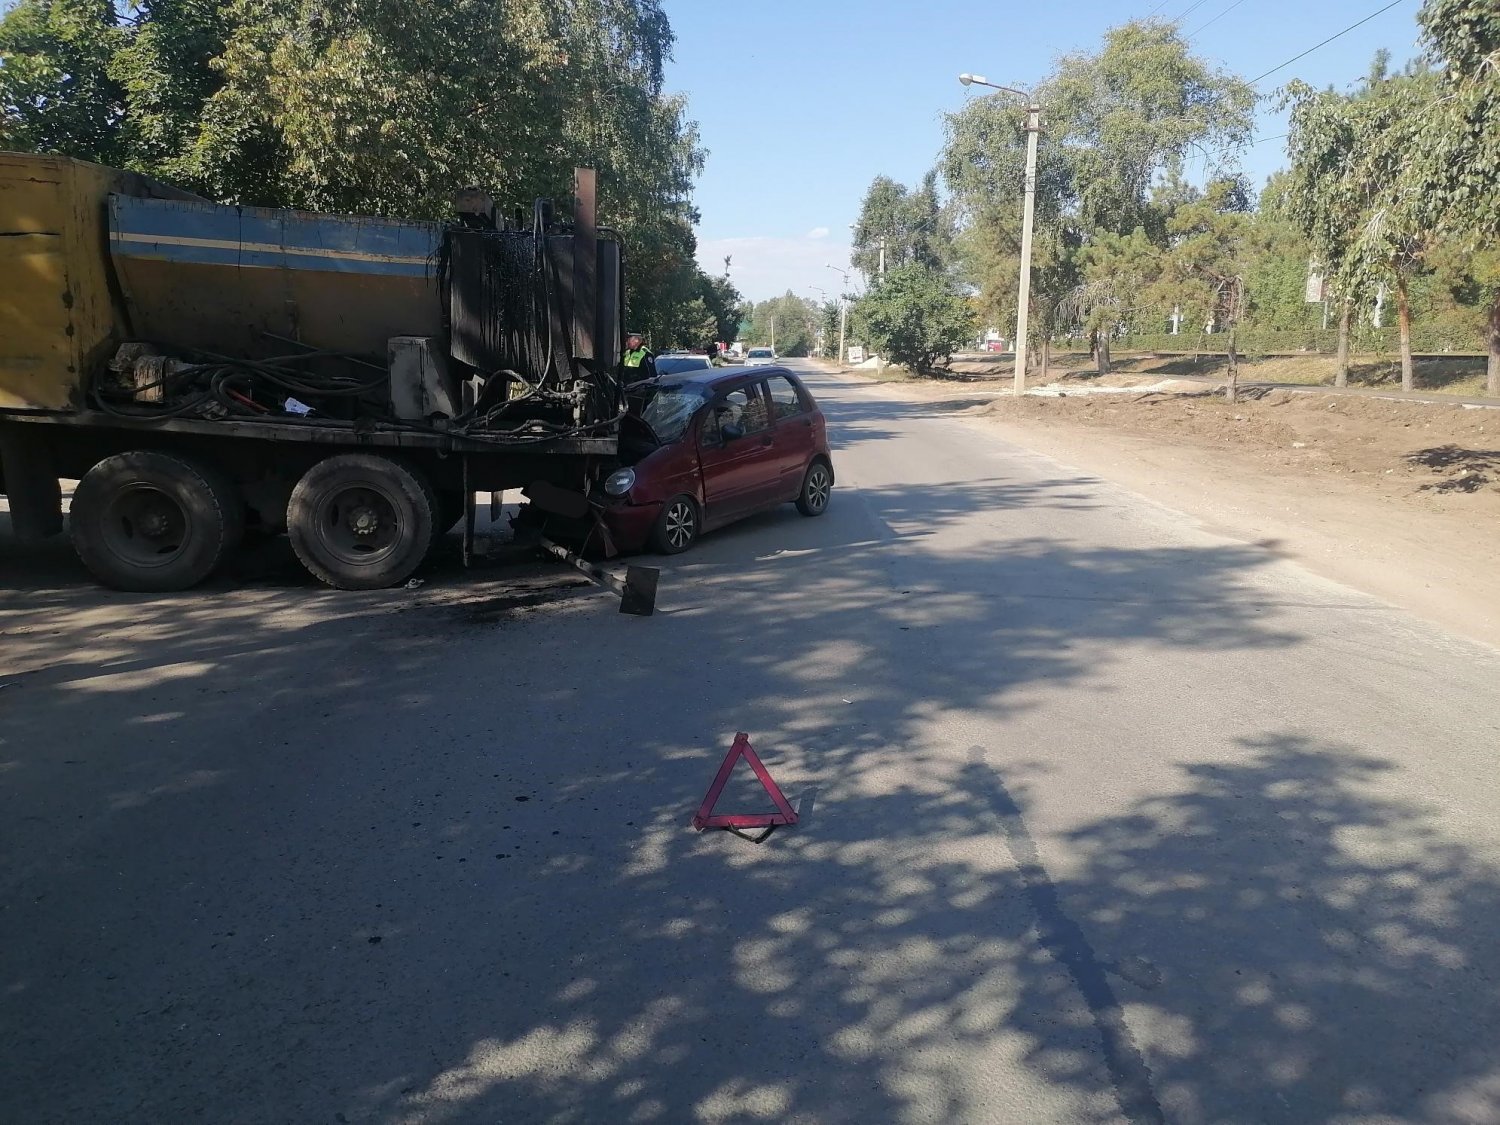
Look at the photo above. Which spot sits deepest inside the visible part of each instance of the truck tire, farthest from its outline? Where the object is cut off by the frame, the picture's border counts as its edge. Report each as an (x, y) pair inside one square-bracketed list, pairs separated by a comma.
[(360, 521), (153, 522)]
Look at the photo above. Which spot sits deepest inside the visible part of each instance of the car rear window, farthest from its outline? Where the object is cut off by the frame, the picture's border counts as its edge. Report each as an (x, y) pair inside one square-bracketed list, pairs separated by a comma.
[(677, 364)]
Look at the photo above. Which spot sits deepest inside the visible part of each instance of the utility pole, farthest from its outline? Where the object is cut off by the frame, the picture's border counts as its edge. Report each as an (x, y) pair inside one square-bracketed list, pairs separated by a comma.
[(882, 255), (1023, 308), (844, 301), (843, 313), (819, 289), (773, 335)]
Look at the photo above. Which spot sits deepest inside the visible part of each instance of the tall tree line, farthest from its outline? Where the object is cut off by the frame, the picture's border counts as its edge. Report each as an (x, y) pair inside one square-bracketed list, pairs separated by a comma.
[(1143, 225)]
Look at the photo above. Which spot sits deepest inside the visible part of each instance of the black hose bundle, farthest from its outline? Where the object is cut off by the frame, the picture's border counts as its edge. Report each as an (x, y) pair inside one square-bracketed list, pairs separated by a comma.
[(216, 386)]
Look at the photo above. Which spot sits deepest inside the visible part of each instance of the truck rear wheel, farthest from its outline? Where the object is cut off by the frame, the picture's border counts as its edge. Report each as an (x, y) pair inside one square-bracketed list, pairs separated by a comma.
[(360, 521), (154, 522)]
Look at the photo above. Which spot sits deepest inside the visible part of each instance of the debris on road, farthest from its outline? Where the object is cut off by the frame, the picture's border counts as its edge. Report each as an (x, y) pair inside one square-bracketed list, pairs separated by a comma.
[(637, 590)]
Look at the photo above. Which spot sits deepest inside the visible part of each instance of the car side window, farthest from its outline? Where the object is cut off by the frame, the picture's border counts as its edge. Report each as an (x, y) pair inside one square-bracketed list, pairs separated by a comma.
[(708, 434), (744, 407), (785, 401), (756, 416)]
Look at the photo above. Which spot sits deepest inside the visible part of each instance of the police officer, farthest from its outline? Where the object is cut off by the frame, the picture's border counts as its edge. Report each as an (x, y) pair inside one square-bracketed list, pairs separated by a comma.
[(638, 361)]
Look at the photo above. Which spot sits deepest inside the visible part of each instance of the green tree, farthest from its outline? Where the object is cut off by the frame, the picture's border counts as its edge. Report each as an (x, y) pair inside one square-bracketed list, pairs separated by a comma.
[(829, 319), (724, 304), (789, 323), (56, 91), (1117, 126), (1121, 274), (1456, 161), (165, 66), (1205, 266), (917, 316), (1132, 113), (983, 162), (1353, 193), (910, 223), (1278, 264)]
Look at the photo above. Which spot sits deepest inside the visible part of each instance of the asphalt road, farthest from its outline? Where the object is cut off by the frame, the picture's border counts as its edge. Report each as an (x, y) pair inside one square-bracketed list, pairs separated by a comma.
[(1105, 818)]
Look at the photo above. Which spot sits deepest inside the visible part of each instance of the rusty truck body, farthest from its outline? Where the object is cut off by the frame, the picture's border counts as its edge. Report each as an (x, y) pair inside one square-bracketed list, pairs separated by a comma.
[(199, 368)]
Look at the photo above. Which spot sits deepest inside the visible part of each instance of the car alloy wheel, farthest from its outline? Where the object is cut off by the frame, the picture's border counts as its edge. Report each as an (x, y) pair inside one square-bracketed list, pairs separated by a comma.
[(677, 527), (817, 487)]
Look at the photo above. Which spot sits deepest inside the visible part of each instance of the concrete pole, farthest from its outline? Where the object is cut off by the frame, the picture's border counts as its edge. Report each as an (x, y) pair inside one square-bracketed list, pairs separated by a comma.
[(1033, 127), (843, 313), (882, 257)]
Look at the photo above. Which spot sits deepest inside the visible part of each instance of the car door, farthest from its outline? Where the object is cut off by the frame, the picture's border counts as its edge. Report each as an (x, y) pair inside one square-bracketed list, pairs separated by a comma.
[(740, 473), (792, 435)]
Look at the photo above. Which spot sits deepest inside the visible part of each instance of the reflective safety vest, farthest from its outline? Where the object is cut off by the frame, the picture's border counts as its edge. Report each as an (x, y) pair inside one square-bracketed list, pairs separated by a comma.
[(634, 358)]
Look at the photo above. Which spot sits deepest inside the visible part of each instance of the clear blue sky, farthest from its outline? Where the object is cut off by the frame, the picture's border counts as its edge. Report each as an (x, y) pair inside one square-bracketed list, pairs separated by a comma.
[(801, 104)]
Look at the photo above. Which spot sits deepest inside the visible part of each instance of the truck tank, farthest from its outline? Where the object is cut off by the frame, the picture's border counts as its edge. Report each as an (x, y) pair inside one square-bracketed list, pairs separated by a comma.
[(93, 257), (243, 281)]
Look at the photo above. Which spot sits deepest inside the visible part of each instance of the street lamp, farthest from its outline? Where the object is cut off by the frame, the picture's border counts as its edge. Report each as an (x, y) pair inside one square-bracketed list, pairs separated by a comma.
[(1033, 127), (843, 311)]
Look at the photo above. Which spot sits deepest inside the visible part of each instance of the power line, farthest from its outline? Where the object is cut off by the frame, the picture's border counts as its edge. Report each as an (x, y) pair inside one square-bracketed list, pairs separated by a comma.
[(1215, 20), (1325, 42), (1193, 7)]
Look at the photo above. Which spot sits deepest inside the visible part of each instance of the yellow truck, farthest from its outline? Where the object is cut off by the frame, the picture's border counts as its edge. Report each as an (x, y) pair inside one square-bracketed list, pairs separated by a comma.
[(199, 368)]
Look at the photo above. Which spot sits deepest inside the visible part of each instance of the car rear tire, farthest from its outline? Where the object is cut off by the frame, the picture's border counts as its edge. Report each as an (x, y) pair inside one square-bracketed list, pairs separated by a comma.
[(677, 527), (361, 522), (154, 522), (817, 488)]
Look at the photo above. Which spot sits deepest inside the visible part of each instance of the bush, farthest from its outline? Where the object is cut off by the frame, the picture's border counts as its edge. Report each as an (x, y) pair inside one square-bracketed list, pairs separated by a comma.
[(916, 316)]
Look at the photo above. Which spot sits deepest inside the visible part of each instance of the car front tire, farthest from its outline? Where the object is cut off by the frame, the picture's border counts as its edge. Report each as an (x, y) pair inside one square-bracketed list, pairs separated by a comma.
[(677, 527)]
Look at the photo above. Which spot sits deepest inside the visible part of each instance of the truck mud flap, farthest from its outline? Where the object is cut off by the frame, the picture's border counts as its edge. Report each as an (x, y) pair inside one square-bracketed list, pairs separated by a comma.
[(31, 485)]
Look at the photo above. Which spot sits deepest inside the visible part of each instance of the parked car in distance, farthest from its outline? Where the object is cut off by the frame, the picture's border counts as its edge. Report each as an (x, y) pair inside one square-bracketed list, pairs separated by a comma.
[(681, 363), (708, 448), (759, 357)]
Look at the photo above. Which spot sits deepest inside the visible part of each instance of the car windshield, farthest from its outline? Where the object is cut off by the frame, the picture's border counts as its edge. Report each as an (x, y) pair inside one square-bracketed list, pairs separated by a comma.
[(760, 353), (668, 410), (677, 364)]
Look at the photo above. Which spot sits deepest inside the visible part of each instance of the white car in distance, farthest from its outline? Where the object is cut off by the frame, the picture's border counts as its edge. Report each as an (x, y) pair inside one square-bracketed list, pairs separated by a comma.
[(760, 357)]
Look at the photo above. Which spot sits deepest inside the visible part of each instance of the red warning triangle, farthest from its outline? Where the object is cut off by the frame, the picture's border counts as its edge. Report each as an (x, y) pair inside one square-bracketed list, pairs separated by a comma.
[(707, 818)]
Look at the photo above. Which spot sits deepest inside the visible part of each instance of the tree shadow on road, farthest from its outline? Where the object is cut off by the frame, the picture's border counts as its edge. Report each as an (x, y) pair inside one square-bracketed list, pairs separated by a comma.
[(358, 856)]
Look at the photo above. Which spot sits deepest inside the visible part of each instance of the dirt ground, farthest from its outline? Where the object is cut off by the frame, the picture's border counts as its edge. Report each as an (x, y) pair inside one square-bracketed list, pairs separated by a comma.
[(1457, 375), (1397, 498), (1438, 457)]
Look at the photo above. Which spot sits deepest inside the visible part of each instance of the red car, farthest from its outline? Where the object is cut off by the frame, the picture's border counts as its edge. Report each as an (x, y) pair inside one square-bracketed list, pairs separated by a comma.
[(708, 447)]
